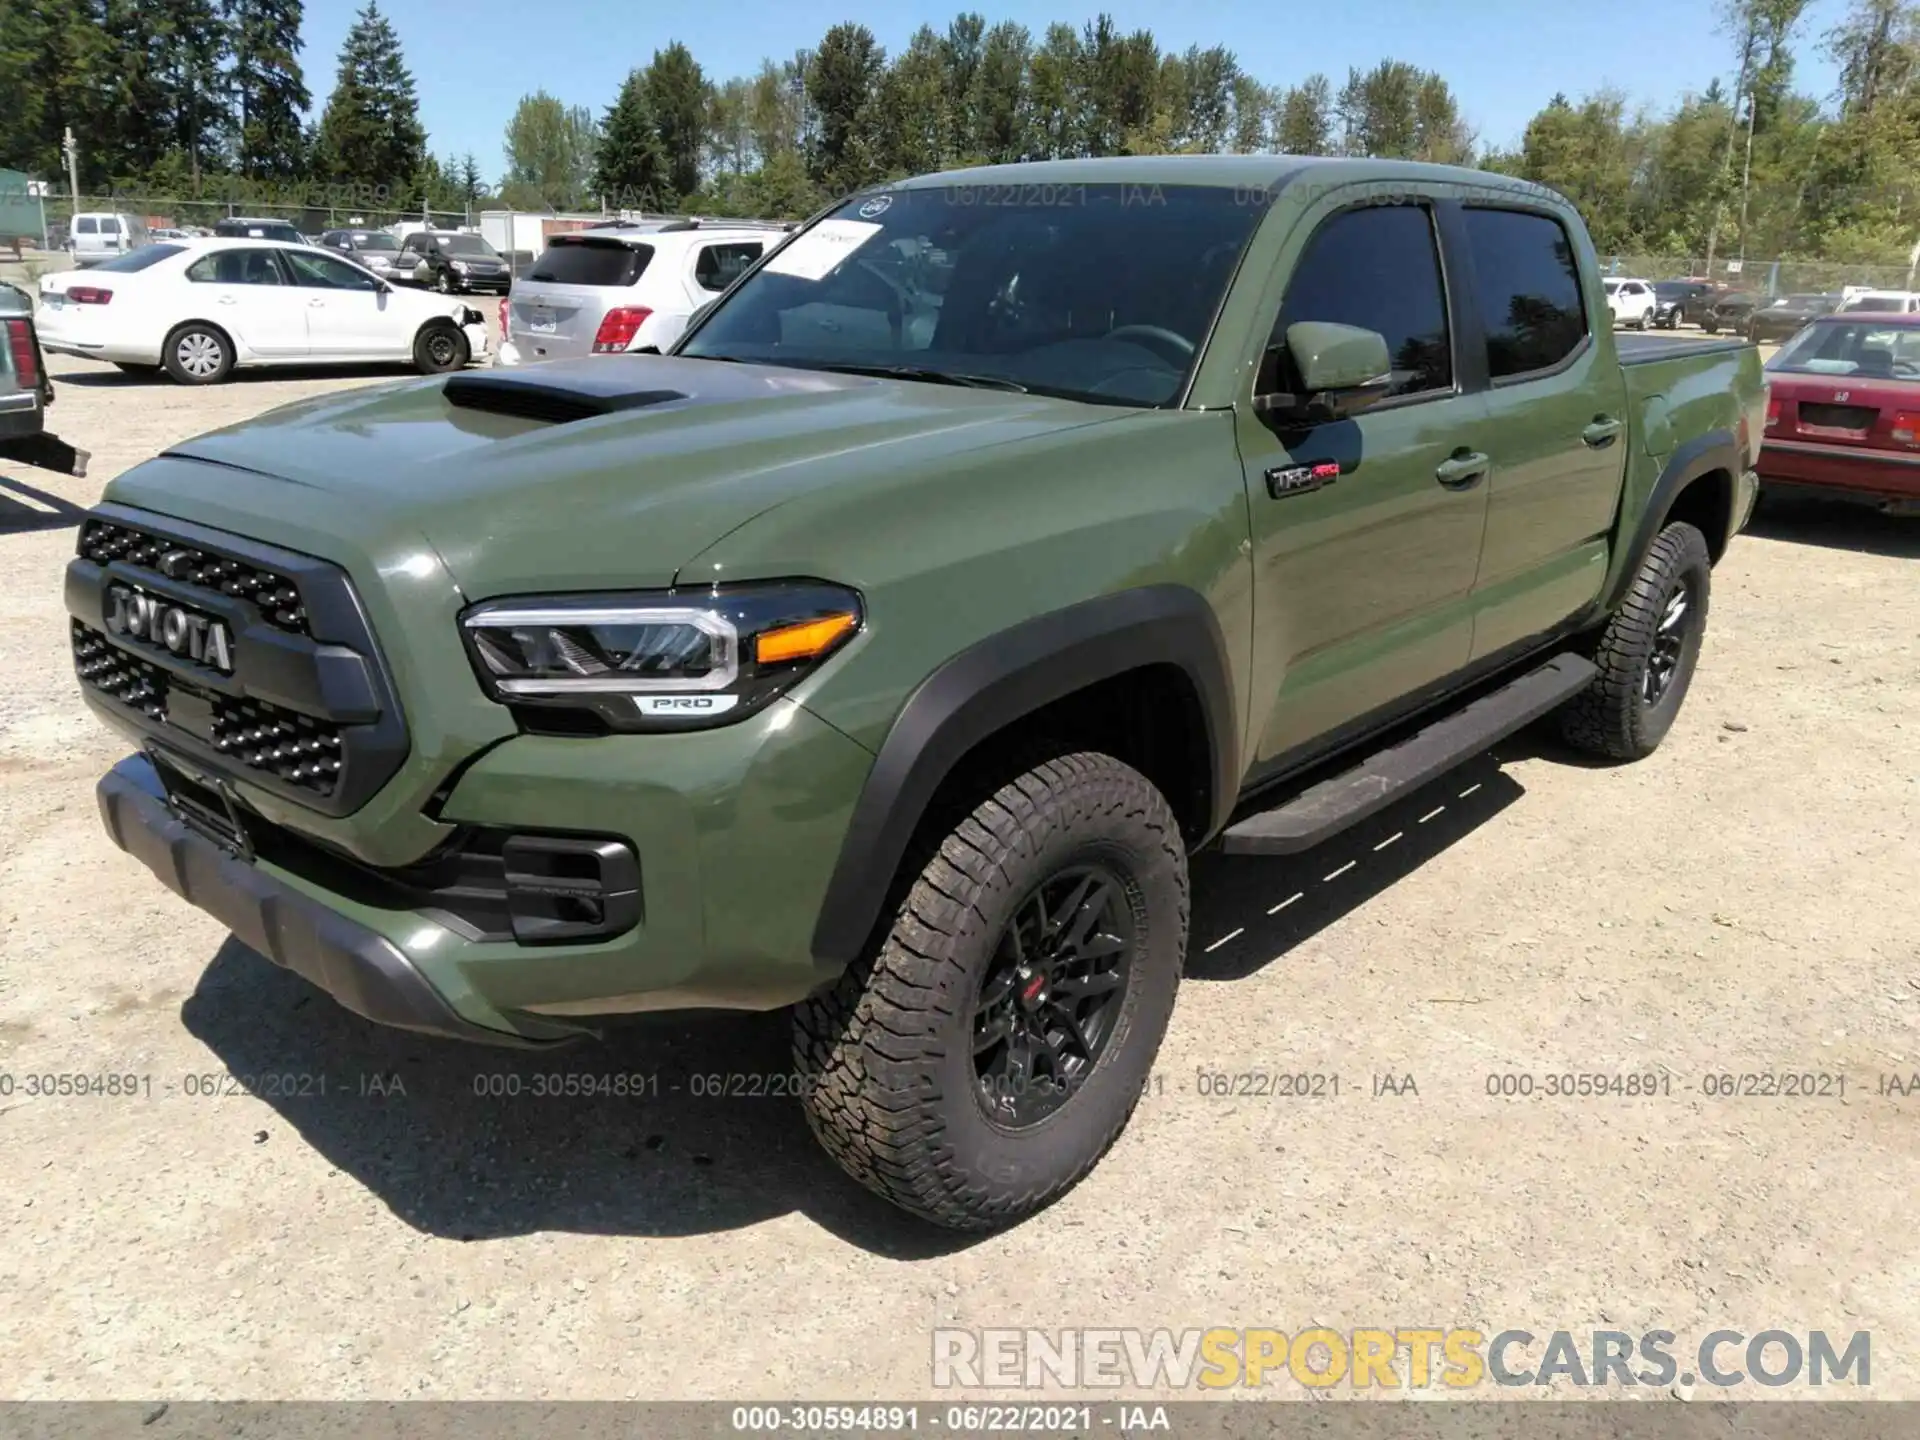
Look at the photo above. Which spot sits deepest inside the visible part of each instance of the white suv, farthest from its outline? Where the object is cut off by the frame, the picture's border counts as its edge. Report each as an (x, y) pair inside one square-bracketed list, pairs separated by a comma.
[(1631, 301), (624, 287)]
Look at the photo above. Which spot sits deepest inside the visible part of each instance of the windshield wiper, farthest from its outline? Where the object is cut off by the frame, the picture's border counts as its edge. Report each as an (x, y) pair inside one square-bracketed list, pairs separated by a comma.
[(923, 372)]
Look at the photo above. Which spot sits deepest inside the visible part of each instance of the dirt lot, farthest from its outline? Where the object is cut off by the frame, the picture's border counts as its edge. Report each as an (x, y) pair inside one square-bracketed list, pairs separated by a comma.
[(1742, 902)]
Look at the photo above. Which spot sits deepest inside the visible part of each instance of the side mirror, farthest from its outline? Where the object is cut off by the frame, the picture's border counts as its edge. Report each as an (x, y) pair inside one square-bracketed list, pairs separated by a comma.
[(1342, 368)]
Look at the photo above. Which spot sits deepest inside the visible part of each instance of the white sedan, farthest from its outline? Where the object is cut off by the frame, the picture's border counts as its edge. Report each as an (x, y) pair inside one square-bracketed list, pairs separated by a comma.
[(1632, 302), (198, 308)]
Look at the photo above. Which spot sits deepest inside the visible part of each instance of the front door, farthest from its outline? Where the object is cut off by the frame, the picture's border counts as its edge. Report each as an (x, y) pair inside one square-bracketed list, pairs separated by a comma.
[(347, 309), (1363, 572)]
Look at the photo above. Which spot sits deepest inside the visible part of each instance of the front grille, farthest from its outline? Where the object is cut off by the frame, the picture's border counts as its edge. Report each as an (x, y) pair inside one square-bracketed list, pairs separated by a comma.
[(295, 747), (266, 739), (296, 701), (276, 596), (126, 678)]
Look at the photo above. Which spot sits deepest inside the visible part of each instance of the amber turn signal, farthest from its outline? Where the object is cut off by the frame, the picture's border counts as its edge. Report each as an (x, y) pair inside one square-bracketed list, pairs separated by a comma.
[(803, 641)]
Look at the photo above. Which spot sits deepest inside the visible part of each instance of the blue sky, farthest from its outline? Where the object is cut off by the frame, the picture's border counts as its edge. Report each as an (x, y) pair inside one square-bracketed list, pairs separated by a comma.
[(473, 59)]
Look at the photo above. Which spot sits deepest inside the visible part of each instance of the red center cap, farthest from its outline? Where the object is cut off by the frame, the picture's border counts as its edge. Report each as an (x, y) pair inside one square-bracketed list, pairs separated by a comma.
[(1031, 990)]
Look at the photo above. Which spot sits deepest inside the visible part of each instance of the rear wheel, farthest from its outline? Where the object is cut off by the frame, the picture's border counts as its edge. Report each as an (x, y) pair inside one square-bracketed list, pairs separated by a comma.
[(984, 1057), (440, 347), (1647, 652), (198, 354)]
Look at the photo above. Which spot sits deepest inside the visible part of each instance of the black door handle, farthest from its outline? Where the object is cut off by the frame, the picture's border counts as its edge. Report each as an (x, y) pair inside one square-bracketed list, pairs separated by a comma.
[(1462, 470)]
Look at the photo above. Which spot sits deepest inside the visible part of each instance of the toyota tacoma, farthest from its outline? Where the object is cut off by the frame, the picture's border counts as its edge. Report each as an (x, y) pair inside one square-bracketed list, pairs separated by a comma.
[(886, 649)]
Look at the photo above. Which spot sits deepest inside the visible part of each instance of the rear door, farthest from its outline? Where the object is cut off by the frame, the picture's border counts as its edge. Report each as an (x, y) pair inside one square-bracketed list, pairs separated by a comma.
[(248, 294), (1557, 405), (713, 266), (1362, 581), (557, 306)]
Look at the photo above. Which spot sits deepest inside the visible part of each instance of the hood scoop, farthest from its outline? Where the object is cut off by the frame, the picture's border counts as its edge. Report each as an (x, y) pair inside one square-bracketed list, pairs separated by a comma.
[(557, 401)]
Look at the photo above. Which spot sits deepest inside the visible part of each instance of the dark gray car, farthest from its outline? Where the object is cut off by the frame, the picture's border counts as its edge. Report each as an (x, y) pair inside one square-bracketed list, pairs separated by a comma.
[(26, 391)]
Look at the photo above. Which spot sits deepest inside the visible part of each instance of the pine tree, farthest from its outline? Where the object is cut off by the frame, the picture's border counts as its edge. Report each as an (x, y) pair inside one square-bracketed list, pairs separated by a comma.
[(629, 166), (843, 81), (677, 94), (267, 86), (371, 132), (193, 40), (52, 56)]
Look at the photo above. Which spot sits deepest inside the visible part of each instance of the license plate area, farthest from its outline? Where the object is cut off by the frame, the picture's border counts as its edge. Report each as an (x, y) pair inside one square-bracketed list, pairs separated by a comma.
[(205, 805), (542, 322), (1845, 419)]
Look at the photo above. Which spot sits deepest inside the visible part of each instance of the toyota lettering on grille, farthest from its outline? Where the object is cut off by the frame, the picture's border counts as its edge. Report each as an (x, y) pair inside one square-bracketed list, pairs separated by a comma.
[(184, 632)]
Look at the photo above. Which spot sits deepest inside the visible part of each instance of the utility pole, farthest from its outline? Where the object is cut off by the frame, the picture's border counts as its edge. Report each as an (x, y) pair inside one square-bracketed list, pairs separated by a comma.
[(72, 152)]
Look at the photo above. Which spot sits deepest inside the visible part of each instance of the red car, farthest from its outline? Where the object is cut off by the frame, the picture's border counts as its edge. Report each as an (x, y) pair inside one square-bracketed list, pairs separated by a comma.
[(1843, 411)]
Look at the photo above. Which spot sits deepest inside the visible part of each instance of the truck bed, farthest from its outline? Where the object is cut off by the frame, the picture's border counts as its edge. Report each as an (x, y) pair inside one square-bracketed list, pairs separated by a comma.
[(1642, 349)]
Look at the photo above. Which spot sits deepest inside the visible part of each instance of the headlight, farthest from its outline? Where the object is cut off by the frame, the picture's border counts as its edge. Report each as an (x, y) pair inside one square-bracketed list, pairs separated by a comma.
[(669, 660), (461, 266)]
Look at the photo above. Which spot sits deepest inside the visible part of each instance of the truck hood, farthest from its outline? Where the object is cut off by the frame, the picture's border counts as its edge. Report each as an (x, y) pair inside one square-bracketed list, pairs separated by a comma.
[(599, 473)]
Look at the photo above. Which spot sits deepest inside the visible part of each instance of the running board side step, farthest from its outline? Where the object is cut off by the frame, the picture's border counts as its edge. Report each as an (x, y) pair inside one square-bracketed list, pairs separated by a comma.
[(1387, 775)]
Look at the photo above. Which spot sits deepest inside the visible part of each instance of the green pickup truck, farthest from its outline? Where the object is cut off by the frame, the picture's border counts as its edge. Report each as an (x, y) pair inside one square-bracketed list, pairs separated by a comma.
[(886, 649)]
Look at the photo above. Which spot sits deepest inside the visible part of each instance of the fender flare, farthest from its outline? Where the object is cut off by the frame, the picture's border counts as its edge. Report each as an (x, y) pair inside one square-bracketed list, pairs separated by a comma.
[(996, 682), (1715, 450)]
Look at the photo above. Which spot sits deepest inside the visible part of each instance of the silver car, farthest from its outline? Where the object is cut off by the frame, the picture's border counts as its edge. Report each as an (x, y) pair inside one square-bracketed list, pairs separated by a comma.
[(375, 250), (625, 287)]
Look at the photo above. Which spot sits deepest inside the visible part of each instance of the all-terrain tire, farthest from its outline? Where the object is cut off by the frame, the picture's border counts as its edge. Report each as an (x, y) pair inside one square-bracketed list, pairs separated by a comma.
[(887, 1056), (1614, 717)]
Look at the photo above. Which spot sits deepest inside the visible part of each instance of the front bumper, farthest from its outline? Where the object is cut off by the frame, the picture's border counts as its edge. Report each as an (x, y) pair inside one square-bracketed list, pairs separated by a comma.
[(362, 969)]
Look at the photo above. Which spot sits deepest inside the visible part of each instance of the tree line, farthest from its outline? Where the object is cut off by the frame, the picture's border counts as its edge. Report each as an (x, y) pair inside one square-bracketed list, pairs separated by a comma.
[(189, 98), (169, 95)]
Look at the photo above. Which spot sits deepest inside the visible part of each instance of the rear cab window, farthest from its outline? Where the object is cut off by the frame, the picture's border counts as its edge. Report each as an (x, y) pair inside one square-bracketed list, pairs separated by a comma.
[(590, 260), (1528, 285)]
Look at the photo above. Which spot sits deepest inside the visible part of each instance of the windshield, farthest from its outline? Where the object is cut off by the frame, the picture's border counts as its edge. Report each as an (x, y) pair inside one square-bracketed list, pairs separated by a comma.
[(1612, 285), (465, 245), (1862, 348), (138, 259), (1094, 292), (376, 241), (1668, 289)]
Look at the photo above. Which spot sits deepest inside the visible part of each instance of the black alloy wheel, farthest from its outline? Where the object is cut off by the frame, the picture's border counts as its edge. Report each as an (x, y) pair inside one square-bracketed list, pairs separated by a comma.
[(1049, 997)]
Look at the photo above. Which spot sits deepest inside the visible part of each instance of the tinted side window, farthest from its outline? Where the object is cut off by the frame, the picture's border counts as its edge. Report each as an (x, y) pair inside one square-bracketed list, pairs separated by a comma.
[(1377, 268), (110, 226), (88, 226), (236, 267), (718, 266), (1529, 287)]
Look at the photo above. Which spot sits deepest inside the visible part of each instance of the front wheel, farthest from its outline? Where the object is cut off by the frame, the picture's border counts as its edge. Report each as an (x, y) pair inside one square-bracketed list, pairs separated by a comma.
[(439, 347), (1647, 652), (982, 1059)]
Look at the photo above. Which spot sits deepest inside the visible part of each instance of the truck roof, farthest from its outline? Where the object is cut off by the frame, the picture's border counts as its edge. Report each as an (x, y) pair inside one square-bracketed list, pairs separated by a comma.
[(1249, 171)]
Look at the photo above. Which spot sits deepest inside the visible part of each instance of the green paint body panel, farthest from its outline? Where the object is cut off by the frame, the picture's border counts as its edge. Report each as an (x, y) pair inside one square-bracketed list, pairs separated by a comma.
[(958, 514)]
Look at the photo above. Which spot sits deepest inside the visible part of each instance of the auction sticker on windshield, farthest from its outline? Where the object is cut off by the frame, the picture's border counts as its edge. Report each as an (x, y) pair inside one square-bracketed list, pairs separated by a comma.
[(813, 255)]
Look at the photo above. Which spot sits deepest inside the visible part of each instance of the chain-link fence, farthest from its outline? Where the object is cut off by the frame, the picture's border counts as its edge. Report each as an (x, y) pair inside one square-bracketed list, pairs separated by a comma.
[(1763, 277), (323, 207)]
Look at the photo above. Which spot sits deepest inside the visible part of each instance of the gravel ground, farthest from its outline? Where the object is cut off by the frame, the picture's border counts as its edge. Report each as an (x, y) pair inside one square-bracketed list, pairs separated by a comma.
[(1738, 903)]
